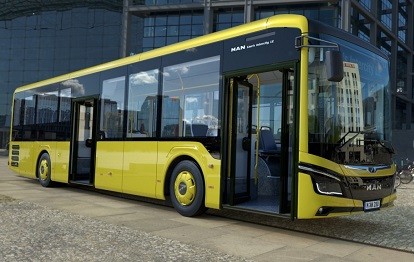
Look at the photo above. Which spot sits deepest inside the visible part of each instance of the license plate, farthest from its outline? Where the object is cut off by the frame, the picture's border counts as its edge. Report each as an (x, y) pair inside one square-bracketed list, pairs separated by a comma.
[(372, 205)]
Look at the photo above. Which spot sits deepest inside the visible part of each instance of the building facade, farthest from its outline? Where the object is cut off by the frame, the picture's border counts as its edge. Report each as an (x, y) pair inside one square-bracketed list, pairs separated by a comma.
[(46, 38)]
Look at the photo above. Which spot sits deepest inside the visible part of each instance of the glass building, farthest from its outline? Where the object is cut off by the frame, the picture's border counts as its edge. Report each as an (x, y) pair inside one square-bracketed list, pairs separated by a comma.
[(45, 38)]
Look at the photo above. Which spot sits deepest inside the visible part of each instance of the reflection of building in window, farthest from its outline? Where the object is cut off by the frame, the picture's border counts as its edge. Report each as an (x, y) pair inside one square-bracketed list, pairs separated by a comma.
[(142, 103), (47, 106), (191, 99), (171, 116), (349, 97), (351, 116), (111, 119), (64, 106), (112, 107), (142, 122), (17, 112)]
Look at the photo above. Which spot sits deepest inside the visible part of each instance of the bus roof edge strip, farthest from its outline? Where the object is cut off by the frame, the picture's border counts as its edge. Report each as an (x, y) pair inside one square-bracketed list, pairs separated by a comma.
[(284, 20)]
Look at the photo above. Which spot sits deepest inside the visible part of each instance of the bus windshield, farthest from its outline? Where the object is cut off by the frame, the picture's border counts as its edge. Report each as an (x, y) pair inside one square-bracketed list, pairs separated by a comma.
[(349, 121)]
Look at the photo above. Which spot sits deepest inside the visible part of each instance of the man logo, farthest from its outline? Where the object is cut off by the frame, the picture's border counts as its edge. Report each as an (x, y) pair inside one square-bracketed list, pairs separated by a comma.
[(374, 186), (237, 48)]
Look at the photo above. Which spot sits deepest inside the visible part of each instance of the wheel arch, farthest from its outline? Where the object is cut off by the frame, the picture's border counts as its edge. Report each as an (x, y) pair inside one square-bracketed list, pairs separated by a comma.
[(171, 167)]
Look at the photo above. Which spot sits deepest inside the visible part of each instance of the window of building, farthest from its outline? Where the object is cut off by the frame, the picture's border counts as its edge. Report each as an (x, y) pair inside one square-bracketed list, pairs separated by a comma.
[(227, 18), (365, 3), (402, 71), (400, 114), (165, 2), (165, 29), (412, 117), (360, 25), (384, 42), (402, 21), (327, 15), (385, 13)]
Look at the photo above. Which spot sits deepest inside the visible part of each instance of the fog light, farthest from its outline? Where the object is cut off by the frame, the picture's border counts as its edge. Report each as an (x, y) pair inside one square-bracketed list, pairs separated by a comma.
[(324, 211)]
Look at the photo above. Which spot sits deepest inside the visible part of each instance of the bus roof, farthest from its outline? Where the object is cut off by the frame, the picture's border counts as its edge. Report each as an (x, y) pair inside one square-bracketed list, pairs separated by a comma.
[(283, 20)]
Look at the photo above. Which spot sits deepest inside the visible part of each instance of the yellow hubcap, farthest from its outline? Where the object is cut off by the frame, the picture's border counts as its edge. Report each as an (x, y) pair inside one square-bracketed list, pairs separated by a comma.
[(43, 169), (185, 188)]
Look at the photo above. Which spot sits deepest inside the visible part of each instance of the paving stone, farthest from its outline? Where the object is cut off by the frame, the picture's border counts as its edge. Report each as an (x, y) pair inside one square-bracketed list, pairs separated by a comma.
[(30, 232)]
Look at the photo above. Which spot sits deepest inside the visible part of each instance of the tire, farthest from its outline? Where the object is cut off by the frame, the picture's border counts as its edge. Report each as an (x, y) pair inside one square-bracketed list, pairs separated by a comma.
[(187, 189), (44, 170), (397, 182), (406, 176)]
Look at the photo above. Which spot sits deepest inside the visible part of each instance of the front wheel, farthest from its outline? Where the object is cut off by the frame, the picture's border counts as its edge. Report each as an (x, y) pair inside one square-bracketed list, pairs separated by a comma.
[(187, 189), (406, 176), (44, 170)]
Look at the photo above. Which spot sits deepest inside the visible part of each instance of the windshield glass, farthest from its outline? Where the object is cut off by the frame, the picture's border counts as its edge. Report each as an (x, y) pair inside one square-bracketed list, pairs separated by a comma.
[(350, 121)]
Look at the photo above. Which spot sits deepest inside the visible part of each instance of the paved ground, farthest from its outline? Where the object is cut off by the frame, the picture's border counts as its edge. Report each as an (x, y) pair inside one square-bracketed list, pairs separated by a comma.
[(71, 224), (391, 228), (42, 234)]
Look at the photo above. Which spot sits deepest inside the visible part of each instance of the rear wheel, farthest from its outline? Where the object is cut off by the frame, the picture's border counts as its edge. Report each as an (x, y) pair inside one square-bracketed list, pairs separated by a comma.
[(187, 189), (44, 170), (397, 182)]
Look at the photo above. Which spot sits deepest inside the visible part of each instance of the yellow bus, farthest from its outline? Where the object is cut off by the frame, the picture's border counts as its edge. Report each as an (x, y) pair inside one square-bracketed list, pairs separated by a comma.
[(284, 116)]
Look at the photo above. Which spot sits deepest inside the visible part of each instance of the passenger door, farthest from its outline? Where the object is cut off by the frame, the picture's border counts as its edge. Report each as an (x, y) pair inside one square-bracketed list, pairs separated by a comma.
[(261, 142), (110, 135), (240, 140), (83, 141)]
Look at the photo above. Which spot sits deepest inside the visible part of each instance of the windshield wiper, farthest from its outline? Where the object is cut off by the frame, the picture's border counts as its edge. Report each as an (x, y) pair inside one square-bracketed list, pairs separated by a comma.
[(372, 137), (343, 142), (385, 144)]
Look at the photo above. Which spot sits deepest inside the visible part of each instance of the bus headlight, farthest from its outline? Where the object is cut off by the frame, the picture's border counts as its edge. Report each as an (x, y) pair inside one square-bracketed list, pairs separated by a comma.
[(325, 182), (329, 188)]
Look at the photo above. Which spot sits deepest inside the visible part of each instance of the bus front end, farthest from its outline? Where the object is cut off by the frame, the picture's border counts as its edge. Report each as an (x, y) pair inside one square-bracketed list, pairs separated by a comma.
[(348, 165)]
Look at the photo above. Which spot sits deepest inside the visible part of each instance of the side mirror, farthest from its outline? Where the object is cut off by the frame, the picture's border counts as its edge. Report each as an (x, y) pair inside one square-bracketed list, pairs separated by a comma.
[(334, 65)]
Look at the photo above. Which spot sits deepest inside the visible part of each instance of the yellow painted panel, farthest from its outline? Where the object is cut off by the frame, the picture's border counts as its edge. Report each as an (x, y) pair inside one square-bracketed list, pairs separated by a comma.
[(27, 161), (140, 168), (28, 155), (109, 165), (319, 161), (60, 162), (389, 199), (210, 168), (309, 201)]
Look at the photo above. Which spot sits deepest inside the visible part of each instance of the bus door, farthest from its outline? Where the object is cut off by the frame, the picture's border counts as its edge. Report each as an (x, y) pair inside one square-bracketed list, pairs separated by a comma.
[(83, 141), (239, 140), (260, 136)]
